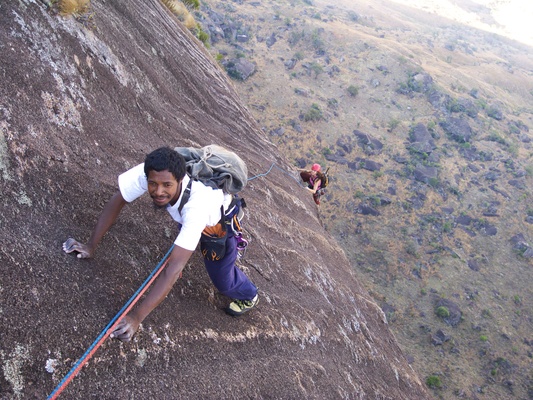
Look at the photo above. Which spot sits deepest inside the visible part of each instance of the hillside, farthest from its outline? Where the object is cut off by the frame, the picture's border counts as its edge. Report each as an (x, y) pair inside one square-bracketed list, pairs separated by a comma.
[(85, 97), (425, 123)]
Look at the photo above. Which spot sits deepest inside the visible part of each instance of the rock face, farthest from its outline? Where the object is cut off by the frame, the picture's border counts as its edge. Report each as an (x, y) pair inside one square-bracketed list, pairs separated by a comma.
[(80, 102)]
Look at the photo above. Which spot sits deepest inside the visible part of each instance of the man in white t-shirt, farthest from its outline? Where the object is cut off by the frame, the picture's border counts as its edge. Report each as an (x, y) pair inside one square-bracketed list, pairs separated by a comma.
[(163, 176)]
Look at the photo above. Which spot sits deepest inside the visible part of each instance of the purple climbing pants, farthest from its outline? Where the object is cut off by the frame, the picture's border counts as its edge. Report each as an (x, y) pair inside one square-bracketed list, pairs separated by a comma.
[(227, 277)]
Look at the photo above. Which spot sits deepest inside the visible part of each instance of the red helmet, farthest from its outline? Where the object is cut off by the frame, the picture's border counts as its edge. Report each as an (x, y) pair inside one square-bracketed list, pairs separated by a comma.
[(315, 167)]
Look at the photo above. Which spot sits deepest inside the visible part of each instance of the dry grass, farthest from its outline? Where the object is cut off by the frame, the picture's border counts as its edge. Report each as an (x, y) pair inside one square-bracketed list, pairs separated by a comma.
[(180, 10), (73, 7)]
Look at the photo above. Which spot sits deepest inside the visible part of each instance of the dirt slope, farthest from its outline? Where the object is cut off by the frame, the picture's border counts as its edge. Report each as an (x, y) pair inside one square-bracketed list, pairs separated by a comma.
[(81, 101)]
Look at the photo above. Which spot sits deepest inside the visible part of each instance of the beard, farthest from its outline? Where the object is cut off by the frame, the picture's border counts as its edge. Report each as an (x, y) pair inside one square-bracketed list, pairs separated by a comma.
[(159, 207)]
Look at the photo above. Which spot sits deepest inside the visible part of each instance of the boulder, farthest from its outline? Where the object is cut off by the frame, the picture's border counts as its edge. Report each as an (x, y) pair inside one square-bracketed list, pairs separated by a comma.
[(421, 140), (368, 143), (458, 129)]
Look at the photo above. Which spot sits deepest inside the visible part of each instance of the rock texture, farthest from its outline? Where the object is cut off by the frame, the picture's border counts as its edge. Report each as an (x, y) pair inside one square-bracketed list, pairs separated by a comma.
[(81, 100)]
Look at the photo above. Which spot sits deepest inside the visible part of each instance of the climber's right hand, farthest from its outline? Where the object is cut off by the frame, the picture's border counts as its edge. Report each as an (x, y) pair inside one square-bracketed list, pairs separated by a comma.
[(83, 250)]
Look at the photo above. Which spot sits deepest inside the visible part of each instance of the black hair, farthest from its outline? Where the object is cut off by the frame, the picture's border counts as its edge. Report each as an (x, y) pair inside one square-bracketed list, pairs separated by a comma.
[(165, 158)]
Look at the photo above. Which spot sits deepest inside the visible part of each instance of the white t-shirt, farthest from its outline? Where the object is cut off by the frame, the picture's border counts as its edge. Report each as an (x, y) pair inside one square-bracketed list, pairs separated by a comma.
[(202, 209)]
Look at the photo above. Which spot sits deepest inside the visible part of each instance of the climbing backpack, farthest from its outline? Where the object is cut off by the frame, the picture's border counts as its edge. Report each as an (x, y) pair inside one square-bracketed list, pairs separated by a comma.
[(218, 168), (324, 182)]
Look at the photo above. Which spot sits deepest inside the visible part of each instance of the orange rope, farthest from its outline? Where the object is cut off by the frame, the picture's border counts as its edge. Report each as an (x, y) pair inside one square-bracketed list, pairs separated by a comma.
[(82, 361)]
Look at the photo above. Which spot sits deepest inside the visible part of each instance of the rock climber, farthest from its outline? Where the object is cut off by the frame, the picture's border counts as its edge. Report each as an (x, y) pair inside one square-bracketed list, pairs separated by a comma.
[(163, 176)]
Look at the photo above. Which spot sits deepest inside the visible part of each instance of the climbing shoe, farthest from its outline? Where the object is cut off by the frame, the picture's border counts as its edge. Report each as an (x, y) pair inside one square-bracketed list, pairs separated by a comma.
[(239, 307)]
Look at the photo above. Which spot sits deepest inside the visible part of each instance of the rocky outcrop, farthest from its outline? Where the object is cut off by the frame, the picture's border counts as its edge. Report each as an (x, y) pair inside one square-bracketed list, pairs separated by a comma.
[(84, 99)]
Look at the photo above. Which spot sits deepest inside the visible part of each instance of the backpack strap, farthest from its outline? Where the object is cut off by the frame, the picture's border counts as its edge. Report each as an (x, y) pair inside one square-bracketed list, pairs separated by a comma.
[(185, 196)]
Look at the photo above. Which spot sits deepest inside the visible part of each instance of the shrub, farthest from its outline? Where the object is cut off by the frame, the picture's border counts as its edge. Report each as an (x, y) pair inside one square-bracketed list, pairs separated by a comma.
[(298, 56), (317, 42), (433, 381), (202, 35), (295, 37), (326, 151), (393, 123), (73, 7), (442, 312), (483, 338), (447, 227), (353, 90), (317, 69), (313, 114), (192, 3), (180, 10), (434, 182)]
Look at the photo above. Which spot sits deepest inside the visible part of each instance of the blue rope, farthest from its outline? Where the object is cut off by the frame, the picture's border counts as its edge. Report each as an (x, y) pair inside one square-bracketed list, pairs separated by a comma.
[(117, 316), (270, 169)]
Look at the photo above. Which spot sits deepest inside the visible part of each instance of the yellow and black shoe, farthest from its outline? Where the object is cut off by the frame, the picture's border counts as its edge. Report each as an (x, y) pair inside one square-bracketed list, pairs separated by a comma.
[(239, 307)]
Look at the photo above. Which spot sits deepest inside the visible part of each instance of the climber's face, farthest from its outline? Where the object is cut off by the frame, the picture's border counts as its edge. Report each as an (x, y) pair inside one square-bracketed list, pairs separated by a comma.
[(163, 188)]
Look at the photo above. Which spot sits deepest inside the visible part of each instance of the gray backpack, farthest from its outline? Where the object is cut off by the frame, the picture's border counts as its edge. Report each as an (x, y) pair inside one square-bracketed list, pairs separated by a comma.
[(216, 167)]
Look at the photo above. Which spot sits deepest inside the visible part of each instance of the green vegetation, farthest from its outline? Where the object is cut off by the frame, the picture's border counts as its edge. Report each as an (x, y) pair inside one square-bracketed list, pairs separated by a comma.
[(496, 137), (317, 42), (202, 35), (434, 182), (333, 103), (192, 3), (434, 382), (313, 114), (393, 123), (411, 249), (447, 227), (353, 90), (295, 37), (375, 200), (483, 338), (317, 69), (442, 312)]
